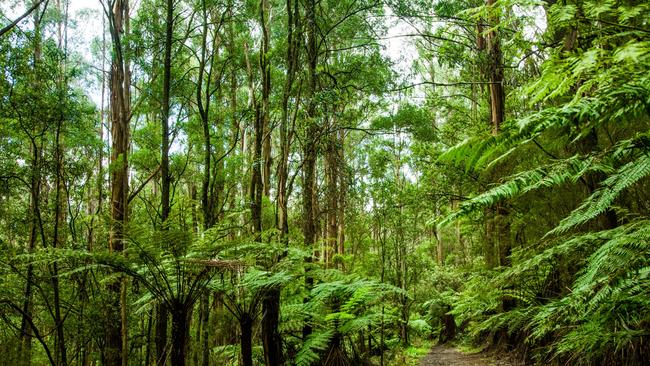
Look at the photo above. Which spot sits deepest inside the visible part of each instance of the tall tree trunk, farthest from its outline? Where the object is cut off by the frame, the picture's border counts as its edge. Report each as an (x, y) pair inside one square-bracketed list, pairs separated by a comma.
[(120, 115), (271, 298), (235, 129), (59, 199), (497, 245), (25, 346), (310, 151), (499, 233), (293, 24), (203, 98), (265, 68), (272, 340), (212, 183), (497, 115), (438, 234), (56, 243), (95, 209), (161, 309), (256, 186), (164, 161), (400, 240)]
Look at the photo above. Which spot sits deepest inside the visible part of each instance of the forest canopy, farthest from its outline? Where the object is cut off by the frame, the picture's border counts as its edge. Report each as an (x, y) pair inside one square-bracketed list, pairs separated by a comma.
[(324, 182)]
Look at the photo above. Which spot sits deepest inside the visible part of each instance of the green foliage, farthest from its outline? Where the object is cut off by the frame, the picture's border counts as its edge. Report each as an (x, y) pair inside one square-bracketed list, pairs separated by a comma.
[(430, 222), (342, 306), (574, 291)]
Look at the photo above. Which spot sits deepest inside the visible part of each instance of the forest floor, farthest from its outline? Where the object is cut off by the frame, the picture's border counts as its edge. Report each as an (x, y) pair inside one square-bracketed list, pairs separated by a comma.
[(446, 355)]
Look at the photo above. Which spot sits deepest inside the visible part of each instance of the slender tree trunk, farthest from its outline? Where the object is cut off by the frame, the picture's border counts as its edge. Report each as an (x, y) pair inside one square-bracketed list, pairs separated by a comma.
[(342, 192), (57, 240), (271, 297), (382, 278), (161, 309), (400, 242), (332, 180), (265, 68), (164, 161), (293, 28), (495, 59), (237, 131), (203, 93), (205, 329), (499, 233), (272, 340), (439, 249), (59, 199), (25, 329), (95, 209), (256, 185), (309, 153), (497, 245), (210, 179), (489, 245), (25, 347)]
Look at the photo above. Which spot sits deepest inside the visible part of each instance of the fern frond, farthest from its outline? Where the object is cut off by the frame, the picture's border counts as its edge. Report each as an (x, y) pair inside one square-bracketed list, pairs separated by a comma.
[(557, 173), (310, 351), (603, 198)]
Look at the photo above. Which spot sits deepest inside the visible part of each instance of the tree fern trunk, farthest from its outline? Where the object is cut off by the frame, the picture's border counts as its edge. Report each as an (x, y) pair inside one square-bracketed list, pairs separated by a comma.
[(180, 336), (161, 334), (270, 322), (246, 340)]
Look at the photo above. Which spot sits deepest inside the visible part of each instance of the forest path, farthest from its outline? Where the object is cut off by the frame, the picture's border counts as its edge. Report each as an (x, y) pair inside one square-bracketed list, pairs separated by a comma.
[(444, 355)]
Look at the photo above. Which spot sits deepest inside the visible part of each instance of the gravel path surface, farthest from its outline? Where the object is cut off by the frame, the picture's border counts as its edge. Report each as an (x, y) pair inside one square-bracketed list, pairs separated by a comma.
[(449, 356)]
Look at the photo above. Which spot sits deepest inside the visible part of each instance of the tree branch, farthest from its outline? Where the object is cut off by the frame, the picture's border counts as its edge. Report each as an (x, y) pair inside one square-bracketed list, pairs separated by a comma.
[(11, 25), (142, 184)]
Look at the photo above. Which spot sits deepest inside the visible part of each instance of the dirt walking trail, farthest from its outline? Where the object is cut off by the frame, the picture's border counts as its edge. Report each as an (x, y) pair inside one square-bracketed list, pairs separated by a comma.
[(445, 355)]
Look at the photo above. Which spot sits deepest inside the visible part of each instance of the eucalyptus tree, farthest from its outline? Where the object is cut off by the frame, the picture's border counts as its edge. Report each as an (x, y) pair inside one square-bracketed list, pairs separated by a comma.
[(117, 13)]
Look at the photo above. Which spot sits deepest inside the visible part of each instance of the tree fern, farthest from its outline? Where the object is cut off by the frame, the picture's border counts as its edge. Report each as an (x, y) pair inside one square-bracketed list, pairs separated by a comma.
[(338, 307)]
